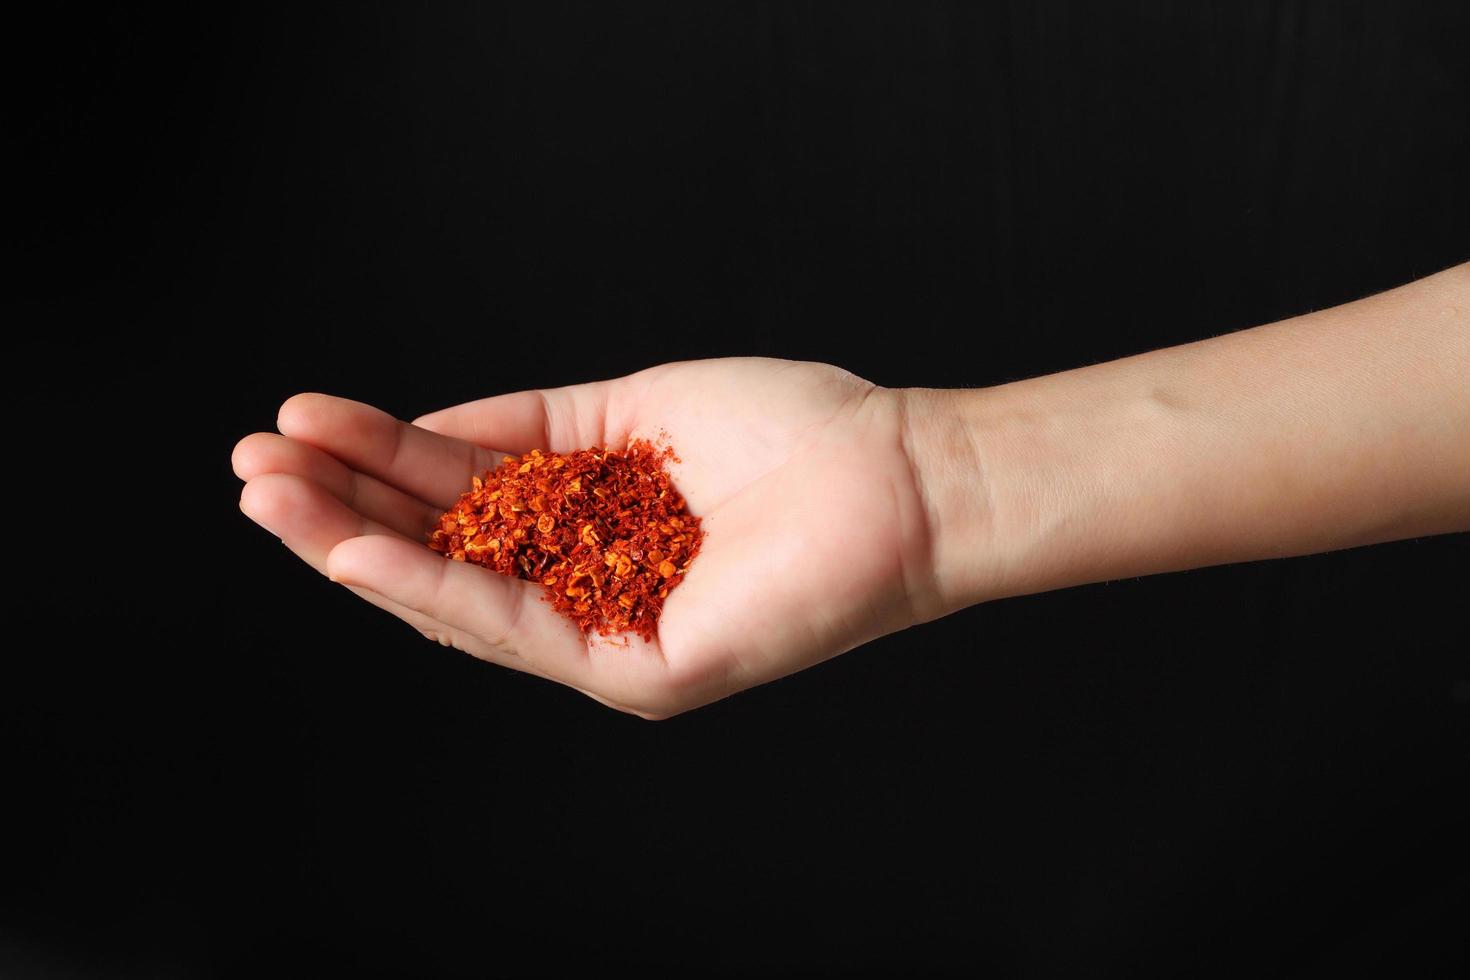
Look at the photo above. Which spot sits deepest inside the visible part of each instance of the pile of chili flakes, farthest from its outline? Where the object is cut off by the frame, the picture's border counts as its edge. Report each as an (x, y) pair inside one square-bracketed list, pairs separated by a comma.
[(604, 531)]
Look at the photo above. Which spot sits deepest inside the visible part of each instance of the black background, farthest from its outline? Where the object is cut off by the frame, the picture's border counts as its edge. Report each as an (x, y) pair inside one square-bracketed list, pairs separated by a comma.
[(223, 765)]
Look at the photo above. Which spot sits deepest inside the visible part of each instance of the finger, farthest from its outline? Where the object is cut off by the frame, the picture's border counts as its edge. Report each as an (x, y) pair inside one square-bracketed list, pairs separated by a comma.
[(506, 613), (554, 419), (447, 636), (444, 635), (310, 522), (267, 452), (304, 515), (434, 468)]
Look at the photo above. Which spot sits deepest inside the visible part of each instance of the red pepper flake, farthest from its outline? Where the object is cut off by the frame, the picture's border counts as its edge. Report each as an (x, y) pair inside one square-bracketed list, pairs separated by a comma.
[(605, 532)]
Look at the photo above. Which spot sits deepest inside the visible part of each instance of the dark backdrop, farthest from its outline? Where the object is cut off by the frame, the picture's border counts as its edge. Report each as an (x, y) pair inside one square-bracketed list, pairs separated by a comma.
[(225, 766)]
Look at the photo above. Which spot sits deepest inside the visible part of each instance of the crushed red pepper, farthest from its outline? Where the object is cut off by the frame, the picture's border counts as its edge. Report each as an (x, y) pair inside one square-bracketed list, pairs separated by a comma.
[(603, 530)]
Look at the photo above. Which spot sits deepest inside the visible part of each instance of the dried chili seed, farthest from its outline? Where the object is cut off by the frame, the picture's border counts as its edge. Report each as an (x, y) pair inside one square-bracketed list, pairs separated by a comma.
[(607, 527)]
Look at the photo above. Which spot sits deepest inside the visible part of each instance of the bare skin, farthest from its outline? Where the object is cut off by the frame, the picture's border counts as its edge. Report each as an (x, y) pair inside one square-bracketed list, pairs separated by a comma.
[(788, 464), (838, 511)]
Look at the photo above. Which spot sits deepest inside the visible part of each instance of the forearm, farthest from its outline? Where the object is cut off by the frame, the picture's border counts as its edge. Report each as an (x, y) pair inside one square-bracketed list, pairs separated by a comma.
[(1339, 428)]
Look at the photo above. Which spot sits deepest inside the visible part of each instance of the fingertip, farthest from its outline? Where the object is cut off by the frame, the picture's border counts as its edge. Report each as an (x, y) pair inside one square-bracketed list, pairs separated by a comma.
[(239, 455), (247, 458), (353, 560), (342, 561), (252, 498), (297, 412), (266, 501)]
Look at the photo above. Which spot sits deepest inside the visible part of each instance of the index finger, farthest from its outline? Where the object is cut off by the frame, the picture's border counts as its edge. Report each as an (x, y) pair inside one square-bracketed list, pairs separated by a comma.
[(432, 467), (554, 419)]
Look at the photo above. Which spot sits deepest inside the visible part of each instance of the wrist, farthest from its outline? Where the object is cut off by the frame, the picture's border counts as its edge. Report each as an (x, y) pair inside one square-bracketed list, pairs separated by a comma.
[(1043, 484), (954, 452), (1335, 429)]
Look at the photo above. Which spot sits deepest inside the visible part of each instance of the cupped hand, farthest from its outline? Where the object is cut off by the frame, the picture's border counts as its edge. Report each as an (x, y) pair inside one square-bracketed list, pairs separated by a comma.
[(817, 537)]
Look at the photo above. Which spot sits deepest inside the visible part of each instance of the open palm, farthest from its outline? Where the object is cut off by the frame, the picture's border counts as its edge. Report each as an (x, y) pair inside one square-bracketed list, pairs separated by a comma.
[(817, 538)]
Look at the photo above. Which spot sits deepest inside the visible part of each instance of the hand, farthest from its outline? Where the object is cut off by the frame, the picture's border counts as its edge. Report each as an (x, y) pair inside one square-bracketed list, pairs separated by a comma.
[(817, 533), (837, 511)]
